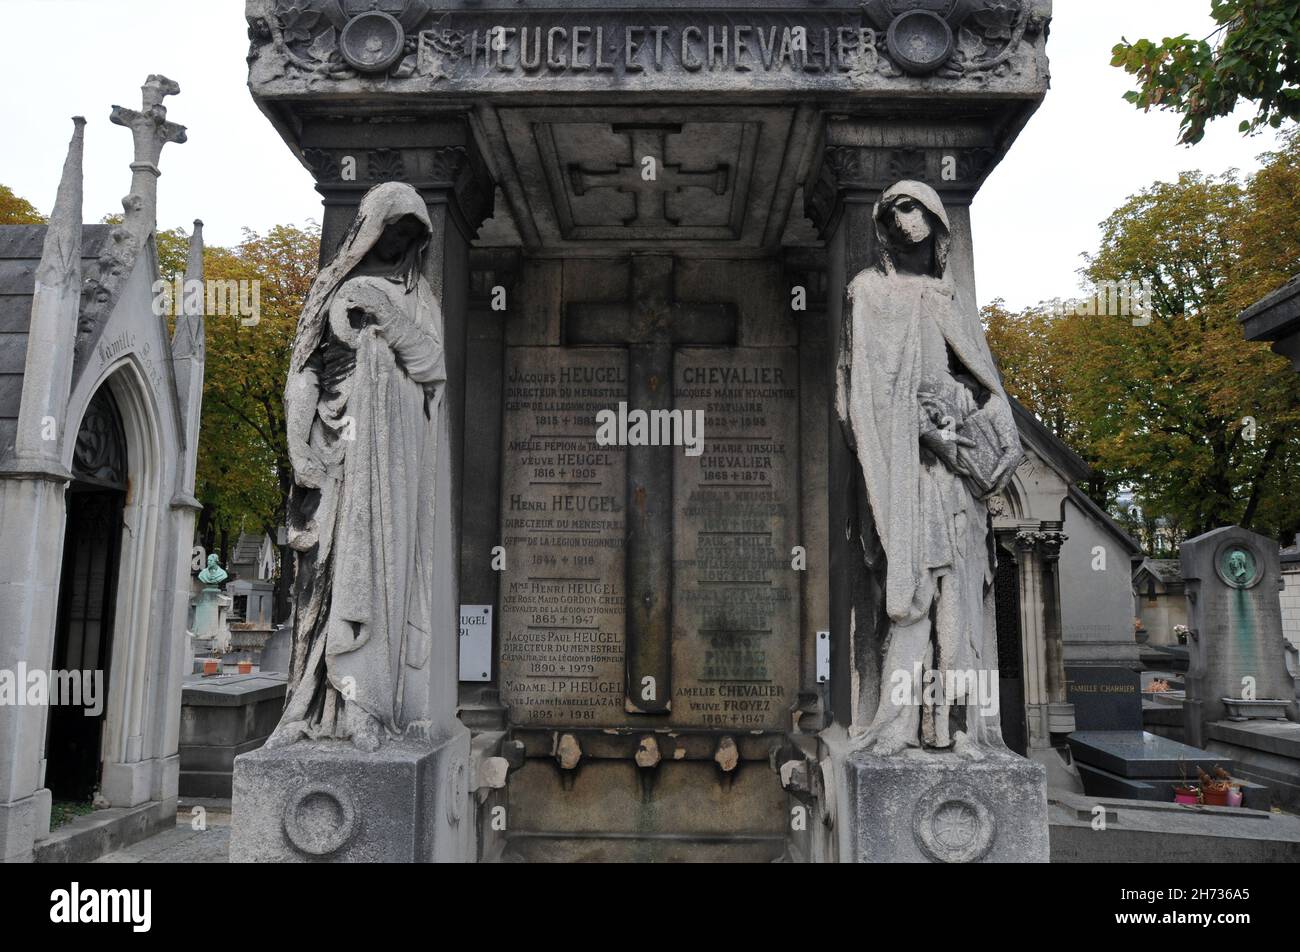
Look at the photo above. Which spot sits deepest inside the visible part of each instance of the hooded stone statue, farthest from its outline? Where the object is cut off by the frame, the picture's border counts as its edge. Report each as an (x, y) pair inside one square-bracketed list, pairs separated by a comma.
[(365, 415), (923, 407)]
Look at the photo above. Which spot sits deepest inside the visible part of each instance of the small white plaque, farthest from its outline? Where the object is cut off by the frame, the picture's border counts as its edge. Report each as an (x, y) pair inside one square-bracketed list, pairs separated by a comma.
[(476, 642), (823, 657)]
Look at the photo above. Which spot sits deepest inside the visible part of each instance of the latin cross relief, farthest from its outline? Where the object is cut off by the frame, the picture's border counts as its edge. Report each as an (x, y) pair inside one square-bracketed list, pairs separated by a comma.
[(649, 178), (650, 326)]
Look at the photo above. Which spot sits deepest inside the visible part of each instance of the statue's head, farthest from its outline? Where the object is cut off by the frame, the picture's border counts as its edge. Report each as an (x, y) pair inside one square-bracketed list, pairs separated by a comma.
[(912, 226), (212, 562), (395, 222)]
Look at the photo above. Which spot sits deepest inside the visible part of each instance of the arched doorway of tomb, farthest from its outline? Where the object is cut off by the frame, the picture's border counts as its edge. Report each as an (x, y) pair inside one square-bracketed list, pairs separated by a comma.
[(88, 587)]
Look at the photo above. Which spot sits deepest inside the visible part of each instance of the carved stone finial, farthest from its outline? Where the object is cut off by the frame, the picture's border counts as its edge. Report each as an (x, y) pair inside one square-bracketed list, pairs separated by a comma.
[(47, 372), (188, 337), (151, 131), (149, 126)]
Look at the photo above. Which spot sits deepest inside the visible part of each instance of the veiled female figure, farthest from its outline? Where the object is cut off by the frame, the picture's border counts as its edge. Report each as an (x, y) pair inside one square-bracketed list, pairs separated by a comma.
[(363, 407), (923, 407)]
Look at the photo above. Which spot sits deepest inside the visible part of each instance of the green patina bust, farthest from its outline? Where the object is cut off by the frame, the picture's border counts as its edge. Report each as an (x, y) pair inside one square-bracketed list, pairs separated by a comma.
[(214, 574), (1239, 567)]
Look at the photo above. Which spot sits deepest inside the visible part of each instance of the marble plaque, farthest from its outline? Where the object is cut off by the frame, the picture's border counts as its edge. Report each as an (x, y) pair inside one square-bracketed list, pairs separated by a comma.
[(563, 510), (735, 593)]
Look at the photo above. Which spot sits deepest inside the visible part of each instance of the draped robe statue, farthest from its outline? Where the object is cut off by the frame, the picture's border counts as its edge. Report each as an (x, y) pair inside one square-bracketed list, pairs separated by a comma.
[(364, 408), (923, 407)]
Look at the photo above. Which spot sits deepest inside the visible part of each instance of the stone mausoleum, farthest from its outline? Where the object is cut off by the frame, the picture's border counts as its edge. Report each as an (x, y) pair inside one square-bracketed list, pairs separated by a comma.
[(99, 423), (664, 655)]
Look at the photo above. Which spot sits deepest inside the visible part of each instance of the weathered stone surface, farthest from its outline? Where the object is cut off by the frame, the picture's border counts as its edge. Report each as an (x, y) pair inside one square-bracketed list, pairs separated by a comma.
[(563, 517), (735, 592), (576, 47), (939, 808), (222, 718), (327, 802)]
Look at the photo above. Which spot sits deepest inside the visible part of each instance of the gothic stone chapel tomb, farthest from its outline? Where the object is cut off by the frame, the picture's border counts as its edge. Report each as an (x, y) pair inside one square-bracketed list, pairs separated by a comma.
[(99, 424), (635, 207)]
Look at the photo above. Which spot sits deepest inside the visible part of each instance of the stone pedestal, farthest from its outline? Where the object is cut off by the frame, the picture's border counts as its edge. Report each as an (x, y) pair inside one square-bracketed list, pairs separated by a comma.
[(329, 802), (211, 626), (937, 808)]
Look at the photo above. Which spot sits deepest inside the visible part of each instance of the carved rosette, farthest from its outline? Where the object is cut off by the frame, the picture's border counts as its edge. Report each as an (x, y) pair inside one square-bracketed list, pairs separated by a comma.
[(319, 819), (951, 823)]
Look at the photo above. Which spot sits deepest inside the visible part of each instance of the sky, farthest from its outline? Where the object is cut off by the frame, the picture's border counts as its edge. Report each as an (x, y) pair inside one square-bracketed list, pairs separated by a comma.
[(1080, 157)]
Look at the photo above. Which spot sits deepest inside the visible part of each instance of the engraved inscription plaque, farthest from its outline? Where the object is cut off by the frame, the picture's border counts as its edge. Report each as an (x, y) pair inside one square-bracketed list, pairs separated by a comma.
[(563, 513), (735, 594)]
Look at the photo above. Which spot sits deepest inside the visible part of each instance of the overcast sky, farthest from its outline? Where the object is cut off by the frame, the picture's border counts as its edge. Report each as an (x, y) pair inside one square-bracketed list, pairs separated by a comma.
[(1083, 153)]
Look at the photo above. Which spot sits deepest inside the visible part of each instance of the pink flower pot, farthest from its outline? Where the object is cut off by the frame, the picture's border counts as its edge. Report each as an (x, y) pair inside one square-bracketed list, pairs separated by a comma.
[(1185, 795), (1234, 797)]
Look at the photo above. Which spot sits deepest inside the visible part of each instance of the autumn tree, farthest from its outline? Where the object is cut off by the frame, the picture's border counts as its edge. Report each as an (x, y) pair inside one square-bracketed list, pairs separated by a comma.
[(17, 211), (1201, 426), (244, 473)]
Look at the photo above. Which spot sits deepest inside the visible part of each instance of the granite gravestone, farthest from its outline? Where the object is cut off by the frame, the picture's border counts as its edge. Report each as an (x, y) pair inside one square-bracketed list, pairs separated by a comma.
[(1105, 697), (1237, 657)]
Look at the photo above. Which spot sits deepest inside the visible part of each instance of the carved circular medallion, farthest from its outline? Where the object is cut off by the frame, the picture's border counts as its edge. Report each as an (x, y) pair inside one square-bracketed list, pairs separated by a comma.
[(920, 41), (1237, 565), (372, 42), (942, 7), (952, 824), (319, 819)]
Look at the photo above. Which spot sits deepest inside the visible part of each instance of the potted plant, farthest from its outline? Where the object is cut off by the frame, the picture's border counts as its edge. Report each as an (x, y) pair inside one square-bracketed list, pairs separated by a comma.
[(245, 666), (1215, 790), (1140, 631), (212, 665), (1185, 792)]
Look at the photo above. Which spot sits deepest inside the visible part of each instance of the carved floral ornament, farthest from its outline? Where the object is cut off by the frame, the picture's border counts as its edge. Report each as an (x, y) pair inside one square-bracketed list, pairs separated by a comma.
[(321, 40)]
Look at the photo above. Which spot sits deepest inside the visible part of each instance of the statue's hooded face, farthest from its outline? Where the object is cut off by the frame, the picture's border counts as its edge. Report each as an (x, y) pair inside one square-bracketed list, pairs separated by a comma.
[(392, 232), (910, 216)]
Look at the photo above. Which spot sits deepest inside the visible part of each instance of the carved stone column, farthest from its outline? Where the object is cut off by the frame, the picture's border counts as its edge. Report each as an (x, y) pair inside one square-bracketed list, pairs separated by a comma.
[(1040, 598)]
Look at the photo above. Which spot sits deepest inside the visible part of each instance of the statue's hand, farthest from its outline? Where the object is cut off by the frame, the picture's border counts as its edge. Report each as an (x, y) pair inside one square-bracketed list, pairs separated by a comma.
[(1005, 469), (308, 472), (946, 443)]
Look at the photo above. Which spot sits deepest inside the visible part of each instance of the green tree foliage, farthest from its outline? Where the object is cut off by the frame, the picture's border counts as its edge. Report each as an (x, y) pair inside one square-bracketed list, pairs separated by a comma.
[(1253, 55), (1203, 426), (244, 472)]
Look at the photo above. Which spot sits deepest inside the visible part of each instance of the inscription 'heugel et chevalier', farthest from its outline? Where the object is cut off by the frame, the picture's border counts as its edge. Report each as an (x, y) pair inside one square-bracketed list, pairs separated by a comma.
[(735, 594), (562, 611)]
